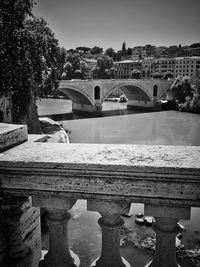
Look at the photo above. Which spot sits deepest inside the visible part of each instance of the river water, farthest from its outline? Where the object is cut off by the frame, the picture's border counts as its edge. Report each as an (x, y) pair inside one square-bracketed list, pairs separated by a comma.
[(117, 125)]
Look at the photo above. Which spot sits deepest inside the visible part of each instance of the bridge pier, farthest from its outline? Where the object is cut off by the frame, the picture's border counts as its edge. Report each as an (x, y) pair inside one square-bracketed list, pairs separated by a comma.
[(143, 105), (95, 110)]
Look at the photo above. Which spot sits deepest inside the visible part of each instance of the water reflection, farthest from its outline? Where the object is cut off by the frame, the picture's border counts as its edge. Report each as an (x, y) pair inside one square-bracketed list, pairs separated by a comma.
[(158, 128)]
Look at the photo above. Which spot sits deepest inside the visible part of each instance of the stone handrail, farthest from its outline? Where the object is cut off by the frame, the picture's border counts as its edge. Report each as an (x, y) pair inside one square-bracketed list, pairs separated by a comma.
[(163, 174), (111, 177)]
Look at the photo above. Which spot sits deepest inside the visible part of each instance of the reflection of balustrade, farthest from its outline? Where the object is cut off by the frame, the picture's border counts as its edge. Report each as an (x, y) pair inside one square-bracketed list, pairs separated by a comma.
[(111, 177)]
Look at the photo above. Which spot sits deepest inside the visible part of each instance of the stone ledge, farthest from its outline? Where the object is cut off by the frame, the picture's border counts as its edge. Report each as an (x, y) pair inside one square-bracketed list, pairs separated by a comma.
[(146, 174), (149, 158), (12, 135)]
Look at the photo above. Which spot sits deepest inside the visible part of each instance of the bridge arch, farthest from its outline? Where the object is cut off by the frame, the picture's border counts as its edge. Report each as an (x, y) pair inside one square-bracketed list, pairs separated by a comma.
[(97, 92), (76, 95), (132, 91), (155, 90)]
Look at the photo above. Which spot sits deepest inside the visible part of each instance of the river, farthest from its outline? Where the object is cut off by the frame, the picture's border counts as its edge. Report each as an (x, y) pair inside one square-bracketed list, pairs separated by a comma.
[(117, 125)]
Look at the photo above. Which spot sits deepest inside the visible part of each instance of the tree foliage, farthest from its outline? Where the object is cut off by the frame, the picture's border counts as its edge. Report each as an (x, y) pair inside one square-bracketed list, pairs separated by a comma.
[(129, 51), (96, 50), (111, 53), (181, 89), (74, 68), (29, 56), (124, 51), (136, 74), (83, 49), (186, 95), (168, 74), (105, 68)]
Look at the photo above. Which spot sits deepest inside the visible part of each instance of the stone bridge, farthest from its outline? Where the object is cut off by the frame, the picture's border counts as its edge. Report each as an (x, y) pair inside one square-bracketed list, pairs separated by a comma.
[(88, 96)]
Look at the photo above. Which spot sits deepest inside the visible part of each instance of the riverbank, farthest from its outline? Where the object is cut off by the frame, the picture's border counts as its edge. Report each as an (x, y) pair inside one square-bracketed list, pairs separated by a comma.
[(188, 106), (55, 132)]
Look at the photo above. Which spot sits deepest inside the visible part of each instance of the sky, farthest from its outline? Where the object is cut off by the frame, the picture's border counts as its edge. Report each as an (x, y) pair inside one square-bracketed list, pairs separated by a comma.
[(108, 23)]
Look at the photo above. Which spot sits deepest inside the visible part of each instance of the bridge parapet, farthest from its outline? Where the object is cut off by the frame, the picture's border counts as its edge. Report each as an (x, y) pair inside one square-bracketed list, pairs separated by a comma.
[(110, 177)]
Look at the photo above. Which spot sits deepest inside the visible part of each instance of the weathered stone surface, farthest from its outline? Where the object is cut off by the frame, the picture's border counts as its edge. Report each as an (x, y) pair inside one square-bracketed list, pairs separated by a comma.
[(31, 232), (111, 224), (59, 253), (14, 211), (150, 174), (38, 138), (12, 135), (165, 253)]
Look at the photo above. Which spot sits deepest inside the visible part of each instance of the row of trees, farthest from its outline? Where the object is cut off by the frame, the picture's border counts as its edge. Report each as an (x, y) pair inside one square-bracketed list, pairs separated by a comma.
[(75, 67), (97, 51), (150, 50)]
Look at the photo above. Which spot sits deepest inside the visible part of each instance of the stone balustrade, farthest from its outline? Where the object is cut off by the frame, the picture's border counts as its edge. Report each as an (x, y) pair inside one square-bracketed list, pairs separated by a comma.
[(110, 177)]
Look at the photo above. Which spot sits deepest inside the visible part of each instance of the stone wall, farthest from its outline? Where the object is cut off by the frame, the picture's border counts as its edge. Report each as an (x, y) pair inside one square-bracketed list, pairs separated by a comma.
[(31, 233)]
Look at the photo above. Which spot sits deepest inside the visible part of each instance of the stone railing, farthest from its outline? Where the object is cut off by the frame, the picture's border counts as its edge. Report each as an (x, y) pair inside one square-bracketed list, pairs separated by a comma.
[(110, 177)]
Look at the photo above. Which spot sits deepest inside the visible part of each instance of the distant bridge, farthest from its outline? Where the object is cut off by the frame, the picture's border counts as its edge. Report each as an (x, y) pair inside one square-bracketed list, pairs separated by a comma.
[(88, 96)]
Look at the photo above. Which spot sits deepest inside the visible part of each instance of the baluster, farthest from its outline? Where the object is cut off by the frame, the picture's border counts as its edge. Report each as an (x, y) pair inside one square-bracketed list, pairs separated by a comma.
[(17, 253), (111, 224), (166, 229), (59, 254)]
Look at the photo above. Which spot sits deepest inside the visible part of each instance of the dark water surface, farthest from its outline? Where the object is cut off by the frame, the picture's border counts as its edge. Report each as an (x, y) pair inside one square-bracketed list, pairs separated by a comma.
[(117, 125)]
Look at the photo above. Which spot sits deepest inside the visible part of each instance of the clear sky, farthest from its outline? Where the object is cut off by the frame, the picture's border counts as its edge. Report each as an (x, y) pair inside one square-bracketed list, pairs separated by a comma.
[(107, 23)]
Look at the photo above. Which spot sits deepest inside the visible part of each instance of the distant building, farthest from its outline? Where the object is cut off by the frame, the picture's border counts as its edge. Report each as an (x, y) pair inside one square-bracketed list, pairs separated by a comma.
[(179, 66), (125, 67), (149, 66), (187, 66), (165, 64)]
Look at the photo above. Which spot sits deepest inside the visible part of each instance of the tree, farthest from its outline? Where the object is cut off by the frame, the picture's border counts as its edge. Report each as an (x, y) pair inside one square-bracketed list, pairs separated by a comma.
[(96, 50), (195, 45), (111, 53), (62, 59), (52, 55), (119, 55), (129, 51), (124, 52), (83, 68), (181, 88), (105, 68), (73, 68), (83, 49), (67, 71), (136, 74), (168, 74), (28, 60)]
